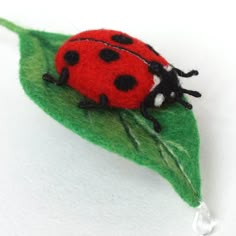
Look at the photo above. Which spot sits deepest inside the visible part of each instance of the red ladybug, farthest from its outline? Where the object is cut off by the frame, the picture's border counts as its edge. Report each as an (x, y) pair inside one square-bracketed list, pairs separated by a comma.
[(114, 69)]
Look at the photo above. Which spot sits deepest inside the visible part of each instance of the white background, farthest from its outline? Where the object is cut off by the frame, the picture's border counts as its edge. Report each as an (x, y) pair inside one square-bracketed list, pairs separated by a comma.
[(54, 183)]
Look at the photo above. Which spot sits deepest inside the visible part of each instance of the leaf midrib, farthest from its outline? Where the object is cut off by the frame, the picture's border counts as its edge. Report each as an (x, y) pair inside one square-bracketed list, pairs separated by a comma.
[(151, 133)]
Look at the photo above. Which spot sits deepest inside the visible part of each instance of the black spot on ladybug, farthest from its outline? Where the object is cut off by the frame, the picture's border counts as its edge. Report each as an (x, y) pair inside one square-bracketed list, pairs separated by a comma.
[(109, 55), (71, 57), (152, 49), (155, 68), (120, 38), (125, 82)]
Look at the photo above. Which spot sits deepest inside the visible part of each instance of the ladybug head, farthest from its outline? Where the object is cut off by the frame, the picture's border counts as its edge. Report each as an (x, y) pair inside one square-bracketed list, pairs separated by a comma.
[(169, 89)]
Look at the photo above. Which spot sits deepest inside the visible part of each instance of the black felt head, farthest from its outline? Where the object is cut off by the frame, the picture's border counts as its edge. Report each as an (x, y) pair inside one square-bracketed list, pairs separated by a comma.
[(169, 85)]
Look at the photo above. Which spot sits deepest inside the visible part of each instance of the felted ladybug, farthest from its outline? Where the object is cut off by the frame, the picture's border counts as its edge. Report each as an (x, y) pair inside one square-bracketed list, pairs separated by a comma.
[(113, 69)]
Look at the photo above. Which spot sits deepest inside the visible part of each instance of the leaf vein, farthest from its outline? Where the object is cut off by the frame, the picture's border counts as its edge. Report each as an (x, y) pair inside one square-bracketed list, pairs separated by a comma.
[(158, 139), (129, 133)]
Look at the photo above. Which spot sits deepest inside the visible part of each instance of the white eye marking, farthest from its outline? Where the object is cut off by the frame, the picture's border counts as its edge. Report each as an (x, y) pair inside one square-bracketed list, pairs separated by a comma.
[(159, 99), (168, 68), (156, 80), (172, 94)]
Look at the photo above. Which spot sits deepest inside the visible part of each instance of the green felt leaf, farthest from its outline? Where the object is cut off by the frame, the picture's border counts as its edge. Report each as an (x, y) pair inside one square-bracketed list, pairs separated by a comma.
[(173, 153)]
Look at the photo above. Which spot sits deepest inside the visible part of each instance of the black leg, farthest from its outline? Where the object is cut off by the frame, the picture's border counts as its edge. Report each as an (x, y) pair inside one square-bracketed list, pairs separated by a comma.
[(144, 112), (184, 103), (103, 102), (192, 93), (186, 75), (62, 79)]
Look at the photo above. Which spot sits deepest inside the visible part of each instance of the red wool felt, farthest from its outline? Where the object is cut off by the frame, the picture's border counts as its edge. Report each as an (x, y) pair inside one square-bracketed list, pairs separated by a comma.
[(111, 63), (136, 46)]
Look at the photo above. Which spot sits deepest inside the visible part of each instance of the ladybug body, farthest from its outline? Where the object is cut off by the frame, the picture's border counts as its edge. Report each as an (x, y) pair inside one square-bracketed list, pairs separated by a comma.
[(105, 64), (114, 69)]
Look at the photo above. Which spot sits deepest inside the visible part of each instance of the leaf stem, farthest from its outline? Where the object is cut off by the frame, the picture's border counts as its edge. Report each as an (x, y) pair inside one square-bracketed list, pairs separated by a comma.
[(11, 26)]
